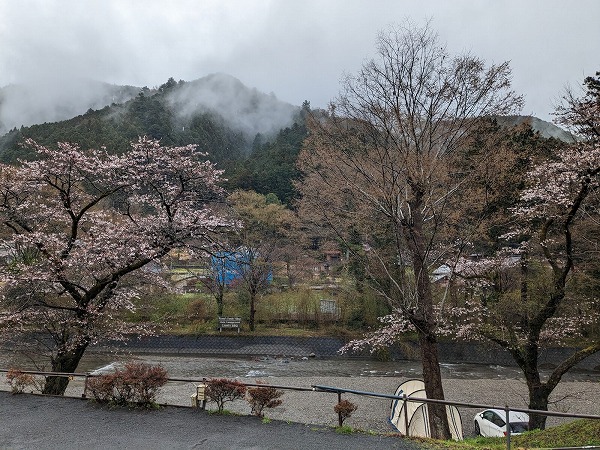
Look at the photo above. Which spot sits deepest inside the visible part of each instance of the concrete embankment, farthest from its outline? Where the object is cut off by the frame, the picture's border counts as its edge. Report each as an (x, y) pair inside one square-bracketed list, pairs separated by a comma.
[(327, 347)]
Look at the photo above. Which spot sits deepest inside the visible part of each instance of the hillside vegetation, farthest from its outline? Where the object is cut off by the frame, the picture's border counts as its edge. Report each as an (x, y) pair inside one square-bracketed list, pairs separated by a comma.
[(253, 136)]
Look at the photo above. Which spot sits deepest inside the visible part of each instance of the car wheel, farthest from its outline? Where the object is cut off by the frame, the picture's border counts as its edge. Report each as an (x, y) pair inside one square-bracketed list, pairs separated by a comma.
[(477, 430)]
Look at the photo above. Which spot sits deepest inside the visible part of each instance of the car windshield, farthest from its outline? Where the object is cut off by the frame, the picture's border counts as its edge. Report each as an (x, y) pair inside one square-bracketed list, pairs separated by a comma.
[(519, 427)]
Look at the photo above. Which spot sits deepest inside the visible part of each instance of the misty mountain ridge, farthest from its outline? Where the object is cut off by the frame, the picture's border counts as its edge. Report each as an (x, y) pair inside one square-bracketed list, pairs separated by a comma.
[(242, 108), (252, 136), (546, 129)]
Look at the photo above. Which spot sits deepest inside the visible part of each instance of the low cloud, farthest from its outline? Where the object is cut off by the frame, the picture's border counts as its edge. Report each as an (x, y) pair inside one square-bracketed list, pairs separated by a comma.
[(51, 101), (245, 109), (299, 50)]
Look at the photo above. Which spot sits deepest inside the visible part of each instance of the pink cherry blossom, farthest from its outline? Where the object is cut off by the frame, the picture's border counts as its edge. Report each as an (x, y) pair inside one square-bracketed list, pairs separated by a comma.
[(83, 226)]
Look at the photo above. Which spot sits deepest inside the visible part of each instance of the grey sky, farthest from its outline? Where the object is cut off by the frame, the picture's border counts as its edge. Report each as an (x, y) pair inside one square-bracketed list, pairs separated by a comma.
[(297, 49)]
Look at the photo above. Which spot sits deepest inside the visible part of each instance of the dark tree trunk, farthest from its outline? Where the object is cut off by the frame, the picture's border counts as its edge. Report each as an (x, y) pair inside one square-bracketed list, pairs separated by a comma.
[(424, 322), (527, 359), (252, 309), (538, 399), (66, 362), (432, 376), (539, 392)]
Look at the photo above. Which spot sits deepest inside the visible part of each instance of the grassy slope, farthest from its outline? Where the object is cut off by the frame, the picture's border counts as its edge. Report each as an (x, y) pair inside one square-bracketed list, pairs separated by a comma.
[(576, 433)]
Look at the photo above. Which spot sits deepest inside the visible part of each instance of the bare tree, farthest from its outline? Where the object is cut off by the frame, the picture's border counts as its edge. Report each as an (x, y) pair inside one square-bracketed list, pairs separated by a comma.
[(257, 243), (384, 161)]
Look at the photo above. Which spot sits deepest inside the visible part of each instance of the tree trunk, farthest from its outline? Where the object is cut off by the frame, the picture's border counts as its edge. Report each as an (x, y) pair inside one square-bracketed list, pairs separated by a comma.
[(538, 399), (252, 309), (539, 392), (423, 319), (290, 276), (438, 420), (220, 294), (527, 359), (66, 362)]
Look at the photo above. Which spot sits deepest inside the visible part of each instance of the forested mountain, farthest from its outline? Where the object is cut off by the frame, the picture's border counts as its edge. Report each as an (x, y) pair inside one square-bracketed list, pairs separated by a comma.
[(253, 136), (271, 166)]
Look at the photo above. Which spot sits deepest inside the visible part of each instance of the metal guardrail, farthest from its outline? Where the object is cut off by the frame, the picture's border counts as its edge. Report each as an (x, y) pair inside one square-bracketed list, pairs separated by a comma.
[(340, 391), (88, 375)]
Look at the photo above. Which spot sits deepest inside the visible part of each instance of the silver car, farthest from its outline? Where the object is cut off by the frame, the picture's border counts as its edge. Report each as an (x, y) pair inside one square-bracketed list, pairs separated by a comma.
[(491, 423)]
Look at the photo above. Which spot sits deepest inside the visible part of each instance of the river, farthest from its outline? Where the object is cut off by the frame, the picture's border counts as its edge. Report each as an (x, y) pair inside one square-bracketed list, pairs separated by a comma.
[(194, 366)]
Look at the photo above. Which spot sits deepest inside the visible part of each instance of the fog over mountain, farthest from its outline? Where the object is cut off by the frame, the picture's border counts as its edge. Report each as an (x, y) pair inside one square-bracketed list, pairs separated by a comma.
[(244, 109), (51, 101), (297, 49)]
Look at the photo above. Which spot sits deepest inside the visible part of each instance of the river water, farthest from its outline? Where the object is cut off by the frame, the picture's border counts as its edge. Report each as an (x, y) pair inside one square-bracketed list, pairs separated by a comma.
[(193, 366)]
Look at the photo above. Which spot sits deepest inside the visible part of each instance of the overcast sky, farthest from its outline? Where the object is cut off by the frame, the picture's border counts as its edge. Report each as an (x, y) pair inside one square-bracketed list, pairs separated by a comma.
[(296, 49)]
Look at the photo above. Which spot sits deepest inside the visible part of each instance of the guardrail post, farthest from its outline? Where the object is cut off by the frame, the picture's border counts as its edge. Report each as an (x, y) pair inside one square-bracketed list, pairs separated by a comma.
[(507, 416), (405, 405), (85, 385), (201, 395), (340, 412)]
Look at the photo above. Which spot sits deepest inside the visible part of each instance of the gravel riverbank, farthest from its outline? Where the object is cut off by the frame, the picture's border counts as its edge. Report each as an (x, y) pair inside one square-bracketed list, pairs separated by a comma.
[(372, 413)]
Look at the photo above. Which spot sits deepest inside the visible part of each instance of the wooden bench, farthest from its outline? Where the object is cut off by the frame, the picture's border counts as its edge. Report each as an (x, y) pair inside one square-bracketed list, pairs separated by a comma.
[(230, 322)]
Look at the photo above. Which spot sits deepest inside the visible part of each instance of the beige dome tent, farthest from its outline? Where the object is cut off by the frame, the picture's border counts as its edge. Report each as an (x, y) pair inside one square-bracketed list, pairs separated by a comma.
[(414, 415)]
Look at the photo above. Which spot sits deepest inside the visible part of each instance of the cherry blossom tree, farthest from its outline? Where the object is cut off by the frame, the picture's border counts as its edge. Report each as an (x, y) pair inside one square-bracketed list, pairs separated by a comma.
[(563, 191), (539, 308), (383, 162), (85, 227)]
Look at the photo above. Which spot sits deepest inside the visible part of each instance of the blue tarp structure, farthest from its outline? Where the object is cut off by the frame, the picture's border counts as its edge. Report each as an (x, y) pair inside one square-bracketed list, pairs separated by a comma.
[(230, 266), (225, 267)]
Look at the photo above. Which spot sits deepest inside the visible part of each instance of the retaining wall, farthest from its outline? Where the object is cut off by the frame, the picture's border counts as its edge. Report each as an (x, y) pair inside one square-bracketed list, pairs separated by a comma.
[(327, 347)]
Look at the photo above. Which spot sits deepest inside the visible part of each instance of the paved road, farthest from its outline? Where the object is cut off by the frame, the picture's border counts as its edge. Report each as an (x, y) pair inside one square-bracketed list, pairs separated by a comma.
[(37, 422)]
